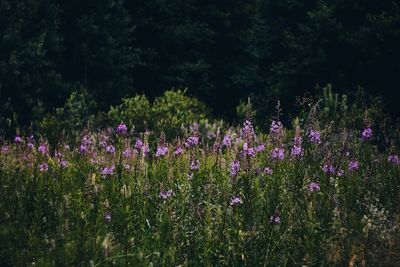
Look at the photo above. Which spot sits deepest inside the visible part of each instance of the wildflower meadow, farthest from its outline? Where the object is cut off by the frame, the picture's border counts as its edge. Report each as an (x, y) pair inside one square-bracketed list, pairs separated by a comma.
[(306, 194)]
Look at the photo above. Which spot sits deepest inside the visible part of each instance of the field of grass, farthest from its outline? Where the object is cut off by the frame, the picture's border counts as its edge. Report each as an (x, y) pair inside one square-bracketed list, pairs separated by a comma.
[(311, 195)]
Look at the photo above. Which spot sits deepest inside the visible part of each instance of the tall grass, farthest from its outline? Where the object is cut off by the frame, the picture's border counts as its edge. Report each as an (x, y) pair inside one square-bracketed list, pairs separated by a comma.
[(312, 196)]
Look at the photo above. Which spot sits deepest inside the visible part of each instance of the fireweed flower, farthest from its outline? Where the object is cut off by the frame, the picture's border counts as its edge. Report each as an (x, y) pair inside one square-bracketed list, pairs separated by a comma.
[(166, 194), (366, 134), (4, 149), (353, 165), (18, 139), (328, 168), (127, 153), (268, 171), (278, 153), (110, 149), (63, 163), (248, 131), (43, 149), (296, 151), (227, 141), (276, 128), (192, 141), (161, 151), (107, 217), (195, 165), (178, 151), (275, 218), (122, 129), (235, 167), (44, 167), (107, 171), (248, 150), (340, 173), (260, 148), (138, 144), (236, 200), (127, 166), (315, 136), (313, 186), (393, 159)]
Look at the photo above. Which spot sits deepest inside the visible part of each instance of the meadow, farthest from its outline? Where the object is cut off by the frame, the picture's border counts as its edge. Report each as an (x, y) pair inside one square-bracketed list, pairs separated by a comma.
[(310, 194)]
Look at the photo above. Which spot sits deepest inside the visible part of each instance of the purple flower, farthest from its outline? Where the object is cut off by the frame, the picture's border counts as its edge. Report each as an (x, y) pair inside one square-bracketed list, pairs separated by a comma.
[(4, 149), (18, 139), (83, 148), (195, 165), (110, 149), (31, 146), (43, 149), (236, 200), (166, 194), (248, 130), (127, 153), (227, 141), (138, 144), (278, 153), (328, 168), (178, 151), (268, 171), (276, 128), (235, 167), (192, 141), (248, 150), (44, 167), (315, 136), (313, 186), (340, 173), (296, 151), (161, 151), (353, 165), (275, 218), (107, 217), (190, 176), (127, 166), (107, 171), (122, 129), (393, 159), (64, 164), (260, 148), (366, 134)]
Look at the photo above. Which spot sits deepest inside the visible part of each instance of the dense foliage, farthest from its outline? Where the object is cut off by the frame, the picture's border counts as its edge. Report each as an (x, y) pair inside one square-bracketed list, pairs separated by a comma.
[(222, 51), (322, 192)]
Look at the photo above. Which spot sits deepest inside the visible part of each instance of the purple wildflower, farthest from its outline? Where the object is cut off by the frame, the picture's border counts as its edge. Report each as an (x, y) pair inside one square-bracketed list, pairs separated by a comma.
[(166, 194), (353, 165), (195, 165), (227, 141), (127, 153), (393, 159), (275, 218), (236, 200), (248, 150), (83, 148), (313, 186), (340, 173), (107, 171), (260, 148), (328, 168), (161, 151), (138, 144), (248, 131), (178, 151), (18, 139), (31, 146), (63, 164), (44, 167), (127, 166), (4, 149), (268, 171), (122, 129), (235, 167), (315, 136), (110, 149), (43, 149), (296, 151), (276, 128), (278, 153), (192, 141), (366, 134)]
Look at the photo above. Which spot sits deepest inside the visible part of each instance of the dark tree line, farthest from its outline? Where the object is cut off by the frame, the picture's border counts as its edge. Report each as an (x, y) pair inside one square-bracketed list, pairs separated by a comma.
[(222, 51)]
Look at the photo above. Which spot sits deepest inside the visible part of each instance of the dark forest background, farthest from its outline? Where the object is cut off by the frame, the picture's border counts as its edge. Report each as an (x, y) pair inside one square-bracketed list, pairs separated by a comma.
[(221, 51)]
